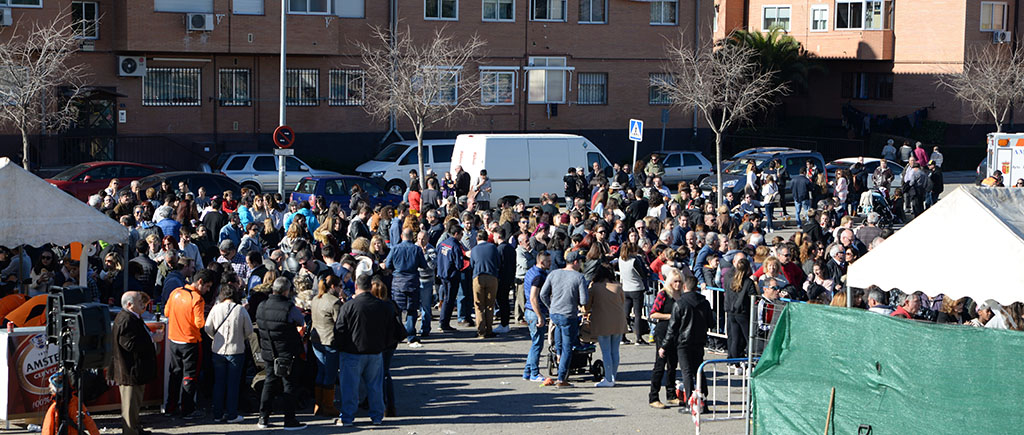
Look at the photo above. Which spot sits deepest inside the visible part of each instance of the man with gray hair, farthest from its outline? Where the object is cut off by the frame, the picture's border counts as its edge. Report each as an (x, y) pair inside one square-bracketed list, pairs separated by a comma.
[(878, 301), (278, 320), (867, 233), (711, 244), (134, 360)]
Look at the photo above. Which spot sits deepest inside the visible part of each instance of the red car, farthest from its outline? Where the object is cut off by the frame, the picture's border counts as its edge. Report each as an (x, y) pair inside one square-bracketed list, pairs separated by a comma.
[(87, 179)]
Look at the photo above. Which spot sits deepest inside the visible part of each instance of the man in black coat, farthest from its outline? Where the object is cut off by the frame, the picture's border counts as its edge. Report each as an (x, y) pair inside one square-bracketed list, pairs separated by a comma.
[(278, 319), (134, 360), (800, 187), (215, 220), (688, 334), (148, 267), (462, 181)]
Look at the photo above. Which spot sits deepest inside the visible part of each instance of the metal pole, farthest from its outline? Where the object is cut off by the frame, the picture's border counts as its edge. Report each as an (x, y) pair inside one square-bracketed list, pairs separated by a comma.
[(281, 118), (634, 156)]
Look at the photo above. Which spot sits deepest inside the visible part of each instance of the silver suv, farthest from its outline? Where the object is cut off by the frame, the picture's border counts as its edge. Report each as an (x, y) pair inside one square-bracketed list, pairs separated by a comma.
[(258, 171)]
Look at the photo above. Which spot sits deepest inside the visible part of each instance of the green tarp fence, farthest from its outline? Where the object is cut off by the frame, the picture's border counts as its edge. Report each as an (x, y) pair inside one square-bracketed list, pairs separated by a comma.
[(894, 375)]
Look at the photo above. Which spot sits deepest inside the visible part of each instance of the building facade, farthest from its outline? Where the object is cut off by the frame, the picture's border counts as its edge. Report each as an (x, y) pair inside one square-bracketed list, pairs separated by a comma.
[(882, 58), (212, 72)]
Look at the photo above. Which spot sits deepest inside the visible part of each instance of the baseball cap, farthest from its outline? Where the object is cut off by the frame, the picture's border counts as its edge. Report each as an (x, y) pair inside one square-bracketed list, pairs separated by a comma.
[(573, 256), (990, 304), (226, 245)]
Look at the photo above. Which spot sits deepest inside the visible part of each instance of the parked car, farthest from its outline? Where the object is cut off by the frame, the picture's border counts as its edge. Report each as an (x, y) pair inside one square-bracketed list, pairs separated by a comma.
[(215, 184), (690, 166), (726, 162), (734, 176), (525, 165), (338, 188), (870, 164), (393, 163), (258, 171), (87, 179)]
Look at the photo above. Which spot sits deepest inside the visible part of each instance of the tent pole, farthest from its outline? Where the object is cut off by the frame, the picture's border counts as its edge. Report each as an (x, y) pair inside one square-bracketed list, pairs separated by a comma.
[(849, 297), (83, 266), (21, 268)]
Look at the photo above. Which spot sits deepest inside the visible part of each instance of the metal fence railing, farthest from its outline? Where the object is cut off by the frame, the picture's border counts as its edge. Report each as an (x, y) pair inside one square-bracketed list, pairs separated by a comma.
[(727, 394)]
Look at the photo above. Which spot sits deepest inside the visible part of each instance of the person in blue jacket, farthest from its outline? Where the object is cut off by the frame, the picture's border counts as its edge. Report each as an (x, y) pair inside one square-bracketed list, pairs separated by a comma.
[(311, 223), (405, 260), (451, 259)]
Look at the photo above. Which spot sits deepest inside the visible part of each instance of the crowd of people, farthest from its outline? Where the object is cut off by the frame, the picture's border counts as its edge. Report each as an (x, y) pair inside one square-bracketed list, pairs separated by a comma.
[(315, 298)]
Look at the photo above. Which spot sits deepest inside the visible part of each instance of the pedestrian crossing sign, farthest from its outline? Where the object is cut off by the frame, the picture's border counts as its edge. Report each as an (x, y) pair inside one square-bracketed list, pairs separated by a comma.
[(636, 130)]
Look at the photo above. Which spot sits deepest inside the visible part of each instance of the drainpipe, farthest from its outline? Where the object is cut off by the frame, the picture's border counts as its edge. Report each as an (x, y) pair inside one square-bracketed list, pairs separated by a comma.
[(1014, 44), (393, 28)]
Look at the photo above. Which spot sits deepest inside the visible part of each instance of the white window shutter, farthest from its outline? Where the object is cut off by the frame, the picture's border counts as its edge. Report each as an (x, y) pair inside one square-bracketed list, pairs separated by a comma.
[(203, 6), (349, 8), (248, 7)]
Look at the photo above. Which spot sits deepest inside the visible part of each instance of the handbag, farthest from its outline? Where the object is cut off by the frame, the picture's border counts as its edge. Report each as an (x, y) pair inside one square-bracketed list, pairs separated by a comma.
[(282, 365)]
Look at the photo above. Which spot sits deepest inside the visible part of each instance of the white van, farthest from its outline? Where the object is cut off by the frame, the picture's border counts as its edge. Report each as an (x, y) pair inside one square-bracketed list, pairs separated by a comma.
[(394, 162), (524, 165)]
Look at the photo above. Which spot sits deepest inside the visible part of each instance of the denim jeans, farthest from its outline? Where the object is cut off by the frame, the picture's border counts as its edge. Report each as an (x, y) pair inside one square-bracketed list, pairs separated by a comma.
[(536, 345), (326, 364), (769, 209), (426, 304), (801, 207), (566, 332), (362, 370), (465, 296), (227, 372), (610, 354)]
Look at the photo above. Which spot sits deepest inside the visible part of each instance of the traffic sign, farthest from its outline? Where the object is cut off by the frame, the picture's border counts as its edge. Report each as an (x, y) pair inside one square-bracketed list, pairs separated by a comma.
[(636, 130), (284, 152), (284, 136)]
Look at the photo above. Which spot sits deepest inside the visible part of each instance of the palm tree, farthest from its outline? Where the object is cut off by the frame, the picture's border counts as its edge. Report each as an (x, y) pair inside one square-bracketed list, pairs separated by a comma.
[(781, 53)]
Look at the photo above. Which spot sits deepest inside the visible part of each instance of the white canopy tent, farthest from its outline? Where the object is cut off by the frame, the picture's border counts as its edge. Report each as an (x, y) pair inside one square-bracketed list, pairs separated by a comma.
[(971, 243), (34, 212)]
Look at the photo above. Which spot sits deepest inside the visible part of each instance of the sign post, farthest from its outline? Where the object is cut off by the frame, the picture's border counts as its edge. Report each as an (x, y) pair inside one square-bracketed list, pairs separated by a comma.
[(281, 119), (284, 137), (636, 134)]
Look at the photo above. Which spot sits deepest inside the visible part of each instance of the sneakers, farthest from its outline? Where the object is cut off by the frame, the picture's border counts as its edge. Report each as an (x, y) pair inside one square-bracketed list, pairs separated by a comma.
[(194, 415), (487, 335), (674, 402), (605, 384), (563, 384), (415, 345), (293, 424), (501, 329), (237, 419), (684, 410), (538, 378), (658, 405), (548, 382), (338, 422), (263, 423)]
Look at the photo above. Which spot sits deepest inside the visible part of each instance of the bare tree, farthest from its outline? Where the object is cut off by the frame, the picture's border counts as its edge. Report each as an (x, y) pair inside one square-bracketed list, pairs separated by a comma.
[(991, 81), (723, 83), (426, 83), (38, 82)]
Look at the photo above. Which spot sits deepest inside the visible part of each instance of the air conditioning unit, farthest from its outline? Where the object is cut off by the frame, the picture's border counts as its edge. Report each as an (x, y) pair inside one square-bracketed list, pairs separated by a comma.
[(1001, 37), (199, 22), (5, 17), (131, 66)]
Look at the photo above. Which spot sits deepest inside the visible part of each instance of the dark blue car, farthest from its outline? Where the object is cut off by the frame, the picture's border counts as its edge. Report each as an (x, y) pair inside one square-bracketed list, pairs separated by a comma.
[(337, 188)]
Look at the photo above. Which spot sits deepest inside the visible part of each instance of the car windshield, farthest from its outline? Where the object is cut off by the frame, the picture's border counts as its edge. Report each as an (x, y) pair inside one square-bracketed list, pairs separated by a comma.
[(66, 174), (391, 152), (739, 167)]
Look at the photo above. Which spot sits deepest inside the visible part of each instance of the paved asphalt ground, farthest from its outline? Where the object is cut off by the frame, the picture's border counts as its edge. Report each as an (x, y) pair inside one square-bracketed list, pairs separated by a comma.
[(457, 384)]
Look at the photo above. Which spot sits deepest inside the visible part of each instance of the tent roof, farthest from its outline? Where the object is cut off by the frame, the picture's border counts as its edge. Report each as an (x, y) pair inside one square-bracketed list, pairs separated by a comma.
[(35, 213), (971, 243)]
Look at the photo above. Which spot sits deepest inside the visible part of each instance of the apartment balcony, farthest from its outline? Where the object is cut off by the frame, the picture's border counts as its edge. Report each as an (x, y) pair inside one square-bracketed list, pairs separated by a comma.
[(851, 44)]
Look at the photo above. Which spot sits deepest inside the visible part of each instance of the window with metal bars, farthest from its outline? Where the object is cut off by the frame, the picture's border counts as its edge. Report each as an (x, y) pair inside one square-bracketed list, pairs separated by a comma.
[(656, 95), (171, 87), (346, 87), (234, 87), (302, 87), (593, 88)]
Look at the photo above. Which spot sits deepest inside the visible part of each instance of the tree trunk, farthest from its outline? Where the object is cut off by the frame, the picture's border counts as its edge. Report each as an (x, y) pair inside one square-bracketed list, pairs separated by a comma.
[(419, 153), (718, 167), (25, 161)]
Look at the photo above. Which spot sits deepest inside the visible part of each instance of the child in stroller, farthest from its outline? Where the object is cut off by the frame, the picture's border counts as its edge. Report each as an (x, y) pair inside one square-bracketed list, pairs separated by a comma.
[(582, 362), (875, 201)]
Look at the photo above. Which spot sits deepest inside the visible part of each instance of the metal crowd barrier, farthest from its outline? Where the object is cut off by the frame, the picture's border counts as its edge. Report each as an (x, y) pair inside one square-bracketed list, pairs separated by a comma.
[(728, 390)]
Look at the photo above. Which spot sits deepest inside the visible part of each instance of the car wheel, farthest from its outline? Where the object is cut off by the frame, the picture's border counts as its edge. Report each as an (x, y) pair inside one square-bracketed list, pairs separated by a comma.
[(396, 187), (700, 179), (252, 186)]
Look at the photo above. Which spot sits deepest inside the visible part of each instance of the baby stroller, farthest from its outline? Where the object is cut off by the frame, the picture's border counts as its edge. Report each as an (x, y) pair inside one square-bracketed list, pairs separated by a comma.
[(875, 201), (582, 363)]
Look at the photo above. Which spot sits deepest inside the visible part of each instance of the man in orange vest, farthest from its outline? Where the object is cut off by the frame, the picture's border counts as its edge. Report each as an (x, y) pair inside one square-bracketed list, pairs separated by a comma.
[(185, 311), (51, 422)]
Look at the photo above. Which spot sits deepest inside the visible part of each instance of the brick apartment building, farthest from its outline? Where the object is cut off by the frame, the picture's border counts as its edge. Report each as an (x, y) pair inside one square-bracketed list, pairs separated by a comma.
[(211, 80), (882, 57)]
